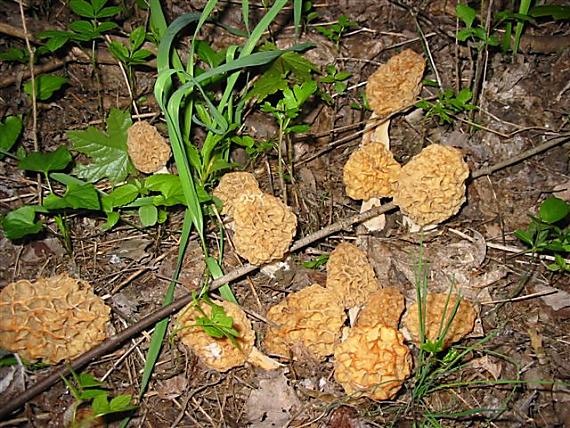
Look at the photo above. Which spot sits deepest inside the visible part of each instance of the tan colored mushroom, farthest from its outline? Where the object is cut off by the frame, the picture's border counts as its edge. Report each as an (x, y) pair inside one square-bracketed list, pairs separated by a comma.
[(264, 227), (431, 187), (234, 185), (350, 275), (147, 149), (312, 317), (217, 353), (437, 318), (384, 306), (372, 362), (371, 172), (395, 84), (51, 319)]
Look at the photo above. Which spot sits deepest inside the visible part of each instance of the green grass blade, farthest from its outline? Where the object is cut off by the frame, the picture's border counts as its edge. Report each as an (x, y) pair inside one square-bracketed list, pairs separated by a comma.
[(245, 14), (297, 13), (157, 20), (217, 272), (204, 16), (523, 10)]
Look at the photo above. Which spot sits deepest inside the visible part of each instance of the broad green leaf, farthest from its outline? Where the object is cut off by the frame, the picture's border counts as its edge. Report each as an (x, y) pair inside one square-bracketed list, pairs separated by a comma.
[(121, 403), (90, 394), (124, 195), (46, 85), (524, 236), (553, 210), (167, 184), (136, 38), (76, 196), (464, 34), (140, 56), (466, 14), (106, 26), (82, 27), (87, 380), (269, 83), (112, 219), (148, 215), (100, 405), (98, 4), (46, 162), (22, 222), (107, 12), (10, 130), (14, 54), (108, 151), (119, 51), (82, 8)]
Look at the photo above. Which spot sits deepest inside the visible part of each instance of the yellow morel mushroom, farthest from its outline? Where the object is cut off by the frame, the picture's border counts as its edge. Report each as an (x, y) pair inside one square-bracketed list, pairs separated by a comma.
[(264, 228), (431, 187), (371, 172), (350, 275), (51, 319), (312, 317), (217, 353), (436, 318), (147, 149), (372, 362), (384, 306), (234, 185), (395, 84)]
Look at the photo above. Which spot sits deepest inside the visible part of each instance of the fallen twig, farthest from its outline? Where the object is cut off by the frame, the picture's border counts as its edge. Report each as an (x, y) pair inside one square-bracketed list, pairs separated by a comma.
[(113, 342)]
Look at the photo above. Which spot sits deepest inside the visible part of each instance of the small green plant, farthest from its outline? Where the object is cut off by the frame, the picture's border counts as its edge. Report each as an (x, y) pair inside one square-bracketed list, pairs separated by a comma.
[(218, 324), (317, 262), (336, 80), (86, 390), (477, 34), (131, 54), (337, 30), (447, 105), (46, 85), (549, 233), (10, 130), (252, 147)]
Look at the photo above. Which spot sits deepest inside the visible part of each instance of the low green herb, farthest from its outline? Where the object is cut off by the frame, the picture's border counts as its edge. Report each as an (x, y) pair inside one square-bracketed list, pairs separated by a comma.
[(336, 31), (131, 54), (447, 105), (10, 130), (474, 33), (218, 324), (46, 86), (317, 262), (549, 233), (335, 80)]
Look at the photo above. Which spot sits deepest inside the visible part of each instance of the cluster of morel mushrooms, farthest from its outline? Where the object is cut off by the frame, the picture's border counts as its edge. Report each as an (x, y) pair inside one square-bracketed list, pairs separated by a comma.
[(59, 318)]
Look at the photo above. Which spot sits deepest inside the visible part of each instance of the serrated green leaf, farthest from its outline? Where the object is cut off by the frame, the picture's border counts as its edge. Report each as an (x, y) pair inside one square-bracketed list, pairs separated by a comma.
[(269, 83), (108, 151), (148, 215), (46, 85), (21, 222), (46, 161), (10, 130), (553, 210)]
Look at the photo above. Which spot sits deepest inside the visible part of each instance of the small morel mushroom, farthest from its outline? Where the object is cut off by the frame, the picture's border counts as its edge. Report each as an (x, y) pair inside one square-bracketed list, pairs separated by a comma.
[(264, 227), (312, 317), (147, 149), (51, 319), (371, 172), (431, 187), (350, 275), (395, 84), (234, 185), (217, 353), (384, 306), (437, 318), (372, 362)]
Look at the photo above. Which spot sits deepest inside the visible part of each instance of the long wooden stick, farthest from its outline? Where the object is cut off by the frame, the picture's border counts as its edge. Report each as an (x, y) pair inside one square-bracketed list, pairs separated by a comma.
[(114, 342)]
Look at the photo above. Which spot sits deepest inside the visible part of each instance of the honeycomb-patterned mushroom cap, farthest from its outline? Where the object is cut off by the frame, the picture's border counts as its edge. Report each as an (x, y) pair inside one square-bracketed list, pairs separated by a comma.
[(395, 84), (234, 185), (217, 353), (372, 362), (462, 324), (431, 187), (350, 275), (371, 172), (264, 228), (52, 319), (312, 317), (147, 149), (385, 307)]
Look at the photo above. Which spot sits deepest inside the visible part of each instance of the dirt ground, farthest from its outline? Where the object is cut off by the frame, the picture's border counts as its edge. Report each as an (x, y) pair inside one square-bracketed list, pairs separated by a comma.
[(519, 376)]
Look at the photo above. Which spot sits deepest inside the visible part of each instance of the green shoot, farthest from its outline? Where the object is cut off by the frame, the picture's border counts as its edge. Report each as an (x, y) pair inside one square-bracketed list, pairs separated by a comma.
[(477, 34), (549, 233), (317, 262), (335, 80), (448, 105), (337, 30)]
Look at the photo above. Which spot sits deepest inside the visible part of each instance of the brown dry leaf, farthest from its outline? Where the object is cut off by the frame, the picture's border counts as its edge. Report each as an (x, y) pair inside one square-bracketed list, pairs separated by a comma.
[(52, 319), (272, 403), (489, 364), (147, 149), (396, 84)]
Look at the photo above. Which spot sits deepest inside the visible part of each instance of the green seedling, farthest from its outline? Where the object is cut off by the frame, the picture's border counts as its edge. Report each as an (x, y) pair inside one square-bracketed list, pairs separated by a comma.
[(549, 233), (132, 54), (447, 105), (317, 262), (334, 79), (86, 390), (477, 34), (45, 85), (218, 325), (15, 55), (10, 130), (253, 148), (107, 150), (309, 12), (336, 31), (362, 104)]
